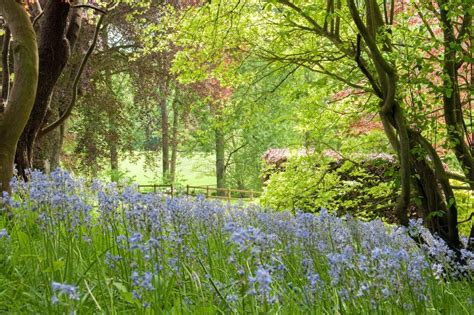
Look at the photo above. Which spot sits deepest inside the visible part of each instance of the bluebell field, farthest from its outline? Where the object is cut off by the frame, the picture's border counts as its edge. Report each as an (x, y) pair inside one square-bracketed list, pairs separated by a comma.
[(78, 247)]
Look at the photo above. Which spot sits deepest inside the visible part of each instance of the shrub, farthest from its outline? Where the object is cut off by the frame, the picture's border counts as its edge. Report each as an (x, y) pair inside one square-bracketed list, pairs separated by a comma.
[(366, 187)]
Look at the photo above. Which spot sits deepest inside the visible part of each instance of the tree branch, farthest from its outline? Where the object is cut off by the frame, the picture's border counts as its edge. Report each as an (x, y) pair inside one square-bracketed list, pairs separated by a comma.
[(233, 152), (377, 56), (36, 7), (365, 71), (457, 177), (74, 27), (466, 25), (37, 18), (425, 22), (468, 219), (89, 6), (317, 28)]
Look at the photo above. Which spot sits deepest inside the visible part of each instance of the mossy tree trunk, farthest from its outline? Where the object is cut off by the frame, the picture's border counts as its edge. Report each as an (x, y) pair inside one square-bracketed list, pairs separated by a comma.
[(22, 94)]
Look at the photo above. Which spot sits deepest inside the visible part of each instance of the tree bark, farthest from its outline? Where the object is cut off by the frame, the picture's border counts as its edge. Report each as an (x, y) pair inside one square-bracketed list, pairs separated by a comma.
[(174, 142), (452, 96), (5, 67), (112, 137), (165, 147), (54, 51), (114, 165), (22, 94), (439, 210), (390, 110), (220, 160)]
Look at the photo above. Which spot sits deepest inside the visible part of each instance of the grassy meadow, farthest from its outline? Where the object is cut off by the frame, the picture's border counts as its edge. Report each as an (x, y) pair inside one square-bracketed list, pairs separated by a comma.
[(198, 170)]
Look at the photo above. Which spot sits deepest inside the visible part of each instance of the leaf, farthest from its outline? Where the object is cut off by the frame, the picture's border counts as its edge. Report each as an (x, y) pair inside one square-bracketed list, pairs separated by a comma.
[(448, 92), (120, 286), (23, 239), (57, 265), (128, 296)]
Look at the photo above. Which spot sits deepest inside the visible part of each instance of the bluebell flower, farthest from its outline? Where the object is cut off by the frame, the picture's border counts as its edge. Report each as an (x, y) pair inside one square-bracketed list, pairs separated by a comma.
[(143, 281), (54, 299), (68, 290), (4, 234), (263, 279), (314, 281), (231, 298), (111, 260), (136, 295)]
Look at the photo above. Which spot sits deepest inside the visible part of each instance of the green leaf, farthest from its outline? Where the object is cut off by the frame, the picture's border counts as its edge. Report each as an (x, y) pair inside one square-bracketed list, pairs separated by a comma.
[(57, 265), (120, 286)]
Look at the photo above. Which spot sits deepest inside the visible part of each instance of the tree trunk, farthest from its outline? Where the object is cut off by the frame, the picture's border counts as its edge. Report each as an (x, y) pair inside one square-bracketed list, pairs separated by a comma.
[(5, 67), (174, 142), (114, 165), (22, 94), (55, 156), (165, 147), (54, 52), (7, 154), (112, 138), (438, 215), (48, 150), (452, 96), (220, 160)]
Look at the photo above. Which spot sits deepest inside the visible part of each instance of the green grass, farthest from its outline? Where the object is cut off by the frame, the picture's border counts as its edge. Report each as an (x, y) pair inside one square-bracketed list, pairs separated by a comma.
[(197, 170)]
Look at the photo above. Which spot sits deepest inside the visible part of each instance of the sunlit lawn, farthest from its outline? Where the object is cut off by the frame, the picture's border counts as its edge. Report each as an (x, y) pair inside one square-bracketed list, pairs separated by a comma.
[(197, 170)]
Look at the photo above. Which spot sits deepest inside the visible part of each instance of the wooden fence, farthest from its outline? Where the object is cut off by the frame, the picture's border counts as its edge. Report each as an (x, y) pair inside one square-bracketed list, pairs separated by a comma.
[(207, 191), (222, 193), (163, 188)]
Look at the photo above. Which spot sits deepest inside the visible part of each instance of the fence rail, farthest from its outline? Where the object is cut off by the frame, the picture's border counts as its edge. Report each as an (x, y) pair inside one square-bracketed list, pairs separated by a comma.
[(208, 191), (160, 188)]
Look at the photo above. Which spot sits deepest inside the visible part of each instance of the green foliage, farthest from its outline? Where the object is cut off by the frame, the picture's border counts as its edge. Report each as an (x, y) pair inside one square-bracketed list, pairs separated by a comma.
[(365, 188), (465, 206), (104, 120), (120, 176)]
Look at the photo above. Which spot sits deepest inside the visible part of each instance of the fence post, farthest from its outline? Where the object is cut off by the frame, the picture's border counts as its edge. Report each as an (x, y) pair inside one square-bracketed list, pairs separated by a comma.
[(207, 191), (251, 195), (228, 195), (154, 188), (172, 191), (187, 190)]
